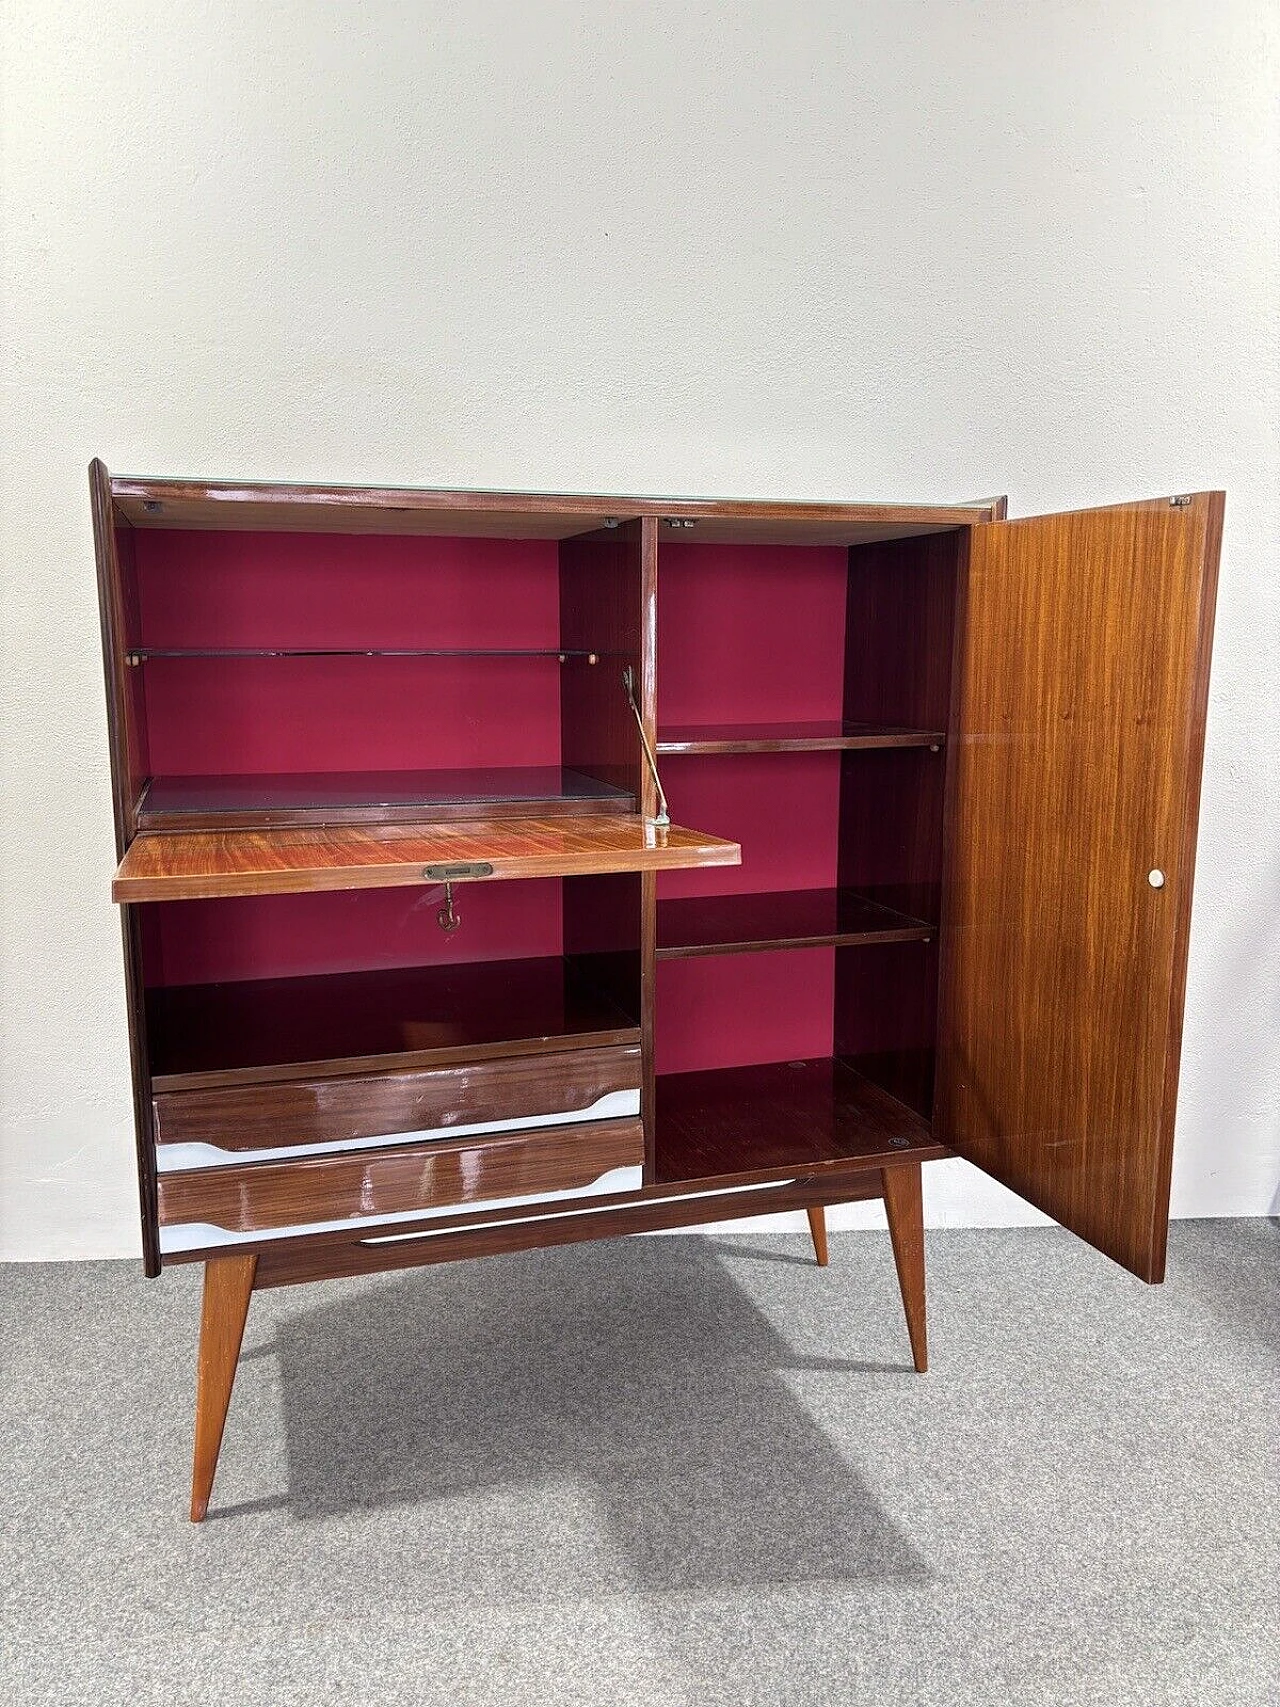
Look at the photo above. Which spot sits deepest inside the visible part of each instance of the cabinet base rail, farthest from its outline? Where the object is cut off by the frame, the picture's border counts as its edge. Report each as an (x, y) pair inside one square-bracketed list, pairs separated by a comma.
[(230, 1280)]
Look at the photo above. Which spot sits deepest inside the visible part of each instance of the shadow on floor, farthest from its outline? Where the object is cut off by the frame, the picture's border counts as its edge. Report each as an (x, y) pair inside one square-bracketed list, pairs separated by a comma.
[(640, 1375)]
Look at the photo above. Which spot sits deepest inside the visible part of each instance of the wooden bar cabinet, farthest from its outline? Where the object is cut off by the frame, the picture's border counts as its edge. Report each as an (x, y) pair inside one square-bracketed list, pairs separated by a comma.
[(420, 967)]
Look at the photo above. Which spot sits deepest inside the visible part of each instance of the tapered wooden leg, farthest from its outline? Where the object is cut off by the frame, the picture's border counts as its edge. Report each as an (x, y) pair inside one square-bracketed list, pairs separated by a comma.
[(904, 1207), (228, 1283), (818, 1230)]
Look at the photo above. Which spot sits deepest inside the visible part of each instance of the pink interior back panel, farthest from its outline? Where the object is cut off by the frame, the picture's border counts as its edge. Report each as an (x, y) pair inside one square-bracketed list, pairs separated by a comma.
[(784, 808), (751, 634), (285, 936), (211, 716), (735, 1010)]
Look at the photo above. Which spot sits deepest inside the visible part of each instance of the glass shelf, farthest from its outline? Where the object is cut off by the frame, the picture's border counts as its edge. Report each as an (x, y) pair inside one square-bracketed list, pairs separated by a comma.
[(355, 796), (142, 654), (815, 737), (800, 918)]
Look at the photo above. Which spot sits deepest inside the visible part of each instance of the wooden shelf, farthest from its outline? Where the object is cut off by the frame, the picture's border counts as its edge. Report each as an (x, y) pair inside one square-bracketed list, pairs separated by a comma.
[(329, 797), (347, 1022), (785, 1118), (818, 737), (799, 918), (180, 865)]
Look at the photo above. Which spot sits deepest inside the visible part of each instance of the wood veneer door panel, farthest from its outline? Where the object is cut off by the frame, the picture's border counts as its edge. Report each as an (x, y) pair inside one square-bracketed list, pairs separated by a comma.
[(1079, 732)]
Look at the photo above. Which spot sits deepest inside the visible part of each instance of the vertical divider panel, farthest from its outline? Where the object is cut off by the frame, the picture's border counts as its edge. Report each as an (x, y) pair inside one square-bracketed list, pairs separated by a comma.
[(899, 640), (648, 806), (608, 594)]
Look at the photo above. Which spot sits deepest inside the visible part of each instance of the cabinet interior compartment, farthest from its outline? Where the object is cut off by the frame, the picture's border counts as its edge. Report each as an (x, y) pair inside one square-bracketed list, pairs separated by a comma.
[(285, 678), (803, 707), (280, 985)]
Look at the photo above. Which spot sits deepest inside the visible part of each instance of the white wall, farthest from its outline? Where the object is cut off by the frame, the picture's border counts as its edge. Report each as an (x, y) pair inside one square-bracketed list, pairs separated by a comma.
[(899, 249)]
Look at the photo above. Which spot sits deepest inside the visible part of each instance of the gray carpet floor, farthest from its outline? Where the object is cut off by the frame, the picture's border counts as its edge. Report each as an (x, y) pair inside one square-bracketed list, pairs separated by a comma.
[(664, 1471)]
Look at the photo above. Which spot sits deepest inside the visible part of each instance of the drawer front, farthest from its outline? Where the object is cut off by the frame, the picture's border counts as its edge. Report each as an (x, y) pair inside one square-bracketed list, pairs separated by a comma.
[(230, 1205), (207, 1127)]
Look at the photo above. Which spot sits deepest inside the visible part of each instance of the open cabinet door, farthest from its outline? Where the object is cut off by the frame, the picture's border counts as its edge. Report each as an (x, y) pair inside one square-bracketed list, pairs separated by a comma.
[(1078, 732)]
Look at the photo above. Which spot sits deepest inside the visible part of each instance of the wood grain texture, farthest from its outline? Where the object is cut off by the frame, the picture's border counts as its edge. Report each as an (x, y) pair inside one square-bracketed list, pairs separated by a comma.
[(228, 1286), (334, 1110), (1079, 730), (264, 1196), (187, 865), (813, 737), (904, 1209), (818, 1233), (329, 1256), (754, 1123), (398, 1018), (263, 506), (796, 918)]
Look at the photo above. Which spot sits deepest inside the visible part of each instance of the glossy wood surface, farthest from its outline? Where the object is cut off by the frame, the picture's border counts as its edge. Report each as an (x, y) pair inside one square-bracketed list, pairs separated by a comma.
[(1079, 732), (327, 1257), (811, 737), (332, 1110), (228, 1286), (752, 1123), (187, 865), (399, 1017), (261, 505), (796, 918), (904, 1209), (260, 1196)]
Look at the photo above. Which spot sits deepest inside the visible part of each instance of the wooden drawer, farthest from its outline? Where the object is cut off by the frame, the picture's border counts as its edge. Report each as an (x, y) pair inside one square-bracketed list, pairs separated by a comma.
[(208, 1127), (204, 1207)]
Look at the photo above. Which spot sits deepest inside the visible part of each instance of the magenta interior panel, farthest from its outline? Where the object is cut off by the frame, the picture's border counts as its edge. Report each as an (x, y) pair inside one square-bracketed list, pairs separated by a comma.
[(282, 936), (738, 1009), (784, 808), (208, 716), (750, 633)]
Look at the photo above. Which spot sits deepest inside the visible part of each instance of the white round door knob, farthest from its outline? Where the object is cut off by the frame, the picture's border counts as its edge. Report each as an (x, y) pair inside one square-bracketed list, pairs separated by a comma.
[(1156, 879)]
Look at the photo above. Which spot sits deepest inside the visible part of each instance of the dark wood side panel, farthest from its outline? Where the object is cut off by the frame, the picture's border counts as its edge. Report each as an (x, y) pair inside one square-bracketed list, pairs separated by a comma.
[(1079, 731), (126, 718), (261, 505), (287, 1263), (269, 1195), (139, 1061), (899, 642), (329, 1111)]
